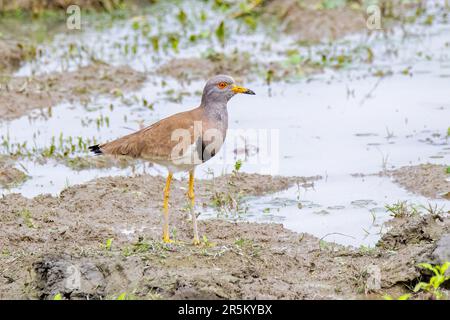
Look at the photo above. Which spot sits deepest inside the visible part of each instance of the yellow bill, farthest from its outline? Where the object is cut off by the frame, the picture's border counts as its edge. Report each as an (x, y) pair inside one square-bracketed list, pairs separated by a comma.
[(238, 89)]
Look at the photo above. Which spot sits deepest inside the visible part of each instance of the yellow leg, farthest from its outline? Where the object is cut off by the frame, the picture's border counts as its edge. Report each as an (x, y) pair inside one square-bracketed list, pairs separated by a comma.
[(191, 196), (166, 237)]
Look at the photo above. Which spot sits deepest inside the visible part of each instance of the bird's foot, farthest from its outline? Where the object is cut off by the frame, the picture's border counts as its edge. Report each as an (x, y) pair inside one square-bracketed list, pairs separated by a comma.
[(174, 242), (204, 243), (166, 239)]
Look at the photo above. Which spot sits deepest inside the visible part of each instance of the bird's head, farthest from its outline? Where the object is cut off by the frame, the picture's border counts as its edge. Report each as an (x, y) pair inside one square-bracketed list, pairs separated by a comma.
[(220, 89)]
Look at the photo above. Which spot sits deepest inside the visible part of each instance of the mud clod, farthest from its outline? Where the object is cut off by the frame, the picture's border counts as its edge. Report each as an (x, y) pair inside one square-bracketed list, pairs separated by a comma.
[(311, 24), (22, 94), (442, 252), (9, 175), (239, 65), (428, 180), (12, 53), (413, 230)]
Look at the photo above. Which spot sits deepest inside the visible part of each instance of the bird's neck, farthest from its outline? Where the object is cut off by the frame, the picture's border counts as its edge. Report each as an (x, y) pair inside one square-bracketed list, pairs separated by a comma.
[(217, 112)]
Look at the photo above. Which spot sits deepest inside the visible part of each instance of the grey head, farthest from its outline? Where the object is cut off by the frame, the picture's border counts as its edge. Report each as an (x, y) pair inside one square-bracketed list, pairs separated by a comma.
[(220, 89)]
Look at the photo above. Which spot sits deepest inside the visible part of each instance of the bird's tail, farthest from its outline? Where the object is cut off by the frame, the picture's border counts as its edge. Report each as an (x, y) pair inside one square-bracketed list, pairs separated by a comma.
[(96, 149)]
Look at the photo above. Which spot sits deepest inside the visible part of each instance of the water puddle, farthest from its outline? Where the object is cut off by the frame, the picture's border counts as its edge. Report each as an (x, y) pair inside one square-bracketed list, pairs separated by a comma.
[(344, 126), (343, 209)]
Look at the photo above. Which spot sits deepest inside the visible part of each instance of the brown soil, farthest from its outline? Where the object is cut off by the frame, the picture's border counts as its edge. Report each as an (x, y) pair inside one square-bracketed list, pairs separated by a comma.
[(36, 6), (9, 175), (428, 180), (187, 69), (12, 53), (241, 66), (311, 24), (305, 19), (46, 240), (19, 95), (88, 162)]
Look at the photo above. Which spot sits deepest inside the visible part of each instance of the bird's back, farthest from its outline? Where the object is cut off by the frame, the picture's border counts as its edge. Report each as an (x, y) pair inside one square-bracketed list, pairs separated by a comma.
[(158, 142)]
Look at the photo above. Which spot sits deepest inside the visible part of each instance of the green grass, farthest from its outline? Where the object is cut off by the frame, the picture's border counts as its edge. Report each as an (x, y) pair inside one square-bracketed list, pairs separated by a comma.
[(57, 296), (433, 286), (402, 297), (27, 219), (402, 209)]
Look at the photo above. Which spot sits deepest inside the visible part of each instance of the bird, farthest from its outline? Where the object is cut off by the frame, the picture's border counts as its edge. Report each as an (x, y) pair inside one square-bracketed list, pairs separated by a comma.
[(181, 141)]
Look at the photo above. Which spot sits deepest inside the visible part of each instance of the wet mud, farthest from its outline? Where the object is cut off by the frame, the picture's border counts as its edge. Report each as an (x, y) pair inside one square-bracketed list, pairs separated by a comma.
[(20, 95), (101, 239), (429, 180)]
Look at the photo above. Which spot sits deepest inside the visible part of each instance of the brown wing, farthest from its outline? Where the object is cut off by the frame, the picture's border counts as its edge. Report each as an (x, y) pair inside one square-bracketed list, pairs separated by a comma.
[(153, 142)]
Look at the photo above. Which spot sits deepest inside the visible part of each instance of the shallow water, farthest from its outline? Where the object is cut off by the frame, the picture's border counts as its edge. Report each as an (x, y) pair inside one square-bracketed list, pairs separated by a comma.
[(336, 124), (343, 209)]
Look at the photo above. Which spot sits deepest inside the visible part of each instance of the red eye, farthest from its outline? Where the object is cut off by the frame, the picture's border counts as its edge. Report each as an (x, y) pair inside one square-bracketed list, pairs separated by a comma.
[(222, 85)]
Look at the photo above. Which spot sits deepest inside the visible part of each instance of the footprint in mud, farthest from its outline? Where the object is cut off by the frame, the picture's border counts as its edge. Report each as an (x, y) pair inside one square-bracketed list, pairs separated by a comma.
[(363, 203)]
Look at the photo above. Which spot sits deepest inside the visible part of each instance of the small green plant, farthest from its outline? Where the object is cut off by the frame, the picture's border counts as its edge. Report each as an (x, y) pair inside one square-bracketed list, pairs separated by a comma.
[(237, 165), (248, 247), (26, 216), (323, 245), (402, 209), (57, 296), (367, 249), (182, 17), (402, 297), (230, 204), (220, 32), (108, 244), (439, 277), (242, 242), (122, 296), (141, 246), (125, 296), (206, 242)]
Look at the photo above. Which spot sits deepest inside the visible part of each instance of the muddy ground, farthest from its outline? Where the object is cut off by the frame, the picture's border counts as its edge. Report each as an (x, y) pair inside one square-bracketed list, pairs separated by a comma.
[(46, 240), (194, 68), (12, 54), (36, 6), (20, 95), (241, 65), (306, 21), (108, 230), (309, 24), (10, 176), (428, 180)]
